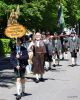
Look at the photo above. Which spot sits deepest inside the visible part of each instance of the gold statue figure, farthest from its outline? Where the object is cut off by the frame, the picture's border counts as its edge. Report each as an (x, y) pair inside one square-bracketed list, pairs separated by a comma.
[(14, 15)]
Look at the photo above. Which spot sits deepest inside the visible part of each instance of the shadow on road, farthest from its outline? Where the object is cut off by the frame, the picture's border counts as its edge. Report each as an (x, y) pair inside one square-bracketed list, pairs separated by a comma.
[(32, 79), (74, 65), (26, 94), (57, 70), (7, 79), (5, 63), (6, 74)]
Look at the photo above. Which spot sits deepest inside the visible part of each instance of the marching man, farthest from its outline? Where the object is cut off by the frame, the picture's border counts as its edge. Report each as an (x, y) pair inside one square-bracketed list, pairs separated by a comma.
[(74, 47), (19, 60), (57, 49)]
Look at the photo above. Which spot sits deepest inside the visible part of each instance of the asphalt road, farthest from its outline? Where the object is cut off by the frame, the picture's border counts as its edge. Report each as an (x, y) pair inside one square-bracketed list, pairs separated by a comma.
[(61, 83)]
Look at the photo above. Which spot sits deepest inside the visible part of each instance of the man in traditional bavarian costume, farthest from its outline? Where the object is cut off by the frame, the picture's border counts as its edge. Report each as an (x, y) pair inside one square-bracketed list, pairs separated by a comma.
[(39, 51), (19, 58), (49, 51), (65, 43), (56, 48), (74, 47)]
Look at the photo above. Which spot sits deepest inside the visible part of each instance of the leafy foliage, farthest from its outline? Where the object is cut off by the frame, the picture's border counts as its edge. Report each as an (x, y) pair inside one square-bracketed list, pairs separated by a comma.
[(40, 14), (4, 47)]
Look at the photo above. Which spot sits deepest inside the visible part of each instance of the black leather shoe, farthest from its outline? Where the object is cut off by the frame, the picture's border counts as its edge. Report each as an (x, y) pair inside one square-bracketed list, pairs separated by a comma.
[(46, 69), (62, 58), (72, 65), (37, 81), (54, 65), (49, 68), (18, 97)]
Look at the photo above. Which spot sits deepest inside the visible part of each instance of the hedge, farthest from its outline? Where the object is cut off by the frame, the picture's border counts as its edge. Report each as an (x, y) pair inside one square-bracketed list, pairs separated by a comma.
[(4, 47)]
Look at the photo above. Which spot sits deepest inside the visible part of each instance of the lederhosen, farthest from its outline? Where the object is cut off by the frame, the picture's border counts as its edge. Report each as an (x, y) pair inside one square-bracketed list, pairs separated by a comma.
[(74, 54), (20, 72)]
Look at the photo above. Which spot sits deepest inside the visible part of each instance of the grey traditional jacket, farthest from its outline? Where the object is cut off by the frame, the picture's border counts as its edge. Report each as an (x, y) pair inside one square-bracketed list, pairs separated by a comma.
[(57, 44), (50, 47), (73, 44)]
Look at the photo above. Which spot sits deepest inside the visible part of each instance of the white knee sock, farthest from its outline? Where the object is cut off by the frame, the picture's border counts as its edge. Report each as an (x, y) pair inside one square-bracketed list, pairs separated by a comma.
[(62, 55), (54, 61), (66, 55), (37, 76), (73, 62), (23, 87), (19, 88)]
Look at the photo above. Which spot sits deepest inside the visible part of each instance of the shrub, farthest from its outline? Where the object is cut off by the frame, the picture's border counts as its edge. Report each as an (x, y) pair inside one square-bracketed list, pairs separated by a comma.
[(4, 47)]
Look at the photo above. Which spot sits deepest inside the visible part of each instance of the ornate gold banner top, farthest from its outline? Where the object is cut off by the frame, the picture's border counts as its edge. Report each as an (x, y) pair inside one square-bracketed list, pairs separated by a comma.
[(15, 31)]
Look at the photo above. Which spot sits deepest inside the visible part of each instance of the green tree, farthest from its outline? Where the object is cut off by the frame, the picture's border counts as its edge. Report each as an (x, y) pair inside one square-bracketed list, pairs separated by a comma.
[(73, 13), (40, 14)]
